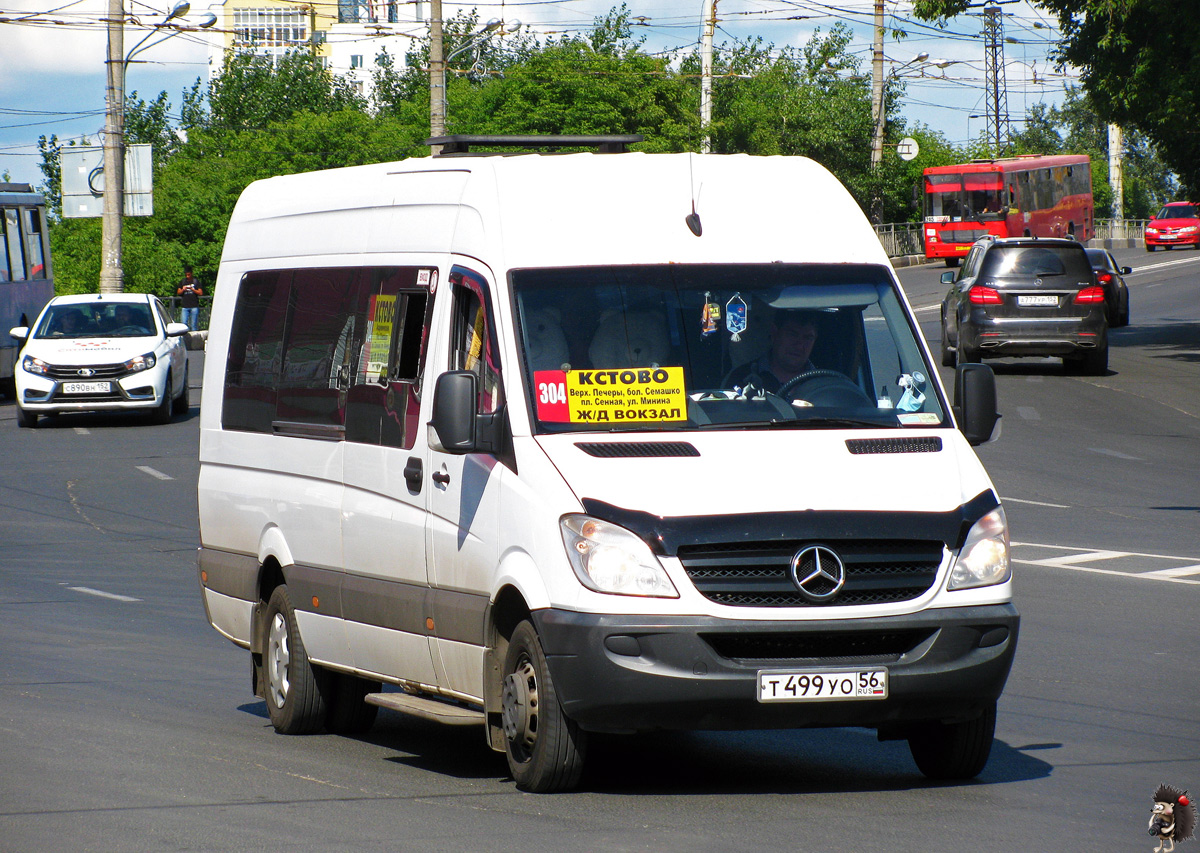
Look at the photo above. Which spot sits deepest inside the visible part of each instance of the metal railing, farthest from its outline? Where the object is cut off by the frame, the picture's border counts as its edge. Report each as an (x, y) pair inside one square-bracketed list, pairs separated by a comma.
[(901, 238), (905, 238), (175, 309)]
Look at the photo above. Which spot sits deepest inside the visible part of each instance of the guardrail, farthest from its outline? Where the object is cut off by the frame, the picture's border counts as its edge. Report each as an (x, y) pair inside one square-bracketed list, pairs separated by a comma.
[(901, 239)]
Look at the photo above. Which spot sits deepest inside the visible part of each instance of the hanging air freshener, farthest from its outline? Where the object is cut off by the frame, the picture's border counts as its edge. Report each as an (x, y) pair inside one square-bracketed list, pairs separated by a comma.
[(710, 316), (735, 317)]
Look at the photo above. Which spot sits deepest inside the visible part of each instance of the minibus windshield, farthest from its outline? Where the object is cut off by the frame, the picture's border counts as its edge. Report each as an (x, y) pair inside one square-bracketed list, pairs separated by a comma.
[(678, 347)]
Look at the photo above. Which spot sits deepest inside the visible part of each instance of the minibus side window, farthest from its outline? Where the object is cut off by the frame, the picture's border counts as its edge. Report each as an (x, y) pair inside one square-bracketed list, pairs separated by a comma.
[(383, 404), (256, 351), (37, 264), (473, 346)]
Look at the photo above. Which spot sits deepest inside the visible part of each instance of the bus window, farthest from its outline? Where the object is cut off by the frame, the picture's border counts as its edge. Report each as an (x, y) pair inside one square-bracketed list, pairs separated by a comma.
[(33, 228), (12, 239)]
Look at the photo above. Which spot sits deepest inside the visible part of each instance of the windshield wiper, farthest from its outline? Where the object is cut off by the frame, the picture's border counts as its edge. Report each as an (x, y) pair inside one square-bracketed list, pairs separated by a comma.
[(802, 423)]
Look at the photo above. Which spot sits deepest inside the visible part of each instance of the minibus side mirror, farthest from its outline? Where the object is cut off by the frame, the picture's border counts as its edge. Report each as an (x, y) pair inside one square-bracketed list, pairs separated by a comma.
[(19, 332), (453, 421), (975, 403)]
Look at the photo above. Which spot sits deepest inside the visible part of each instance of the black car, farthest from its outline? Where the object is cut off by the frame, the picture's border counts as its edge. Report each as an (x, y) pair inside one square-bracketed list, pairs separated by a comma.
[(1023, 296), (1110, 276)]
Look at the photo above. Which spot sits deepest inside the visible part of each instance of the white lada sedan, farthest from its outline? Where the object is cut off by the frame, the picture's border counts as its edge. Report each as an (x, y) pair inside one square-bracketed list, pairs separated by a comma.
[(102, 352)]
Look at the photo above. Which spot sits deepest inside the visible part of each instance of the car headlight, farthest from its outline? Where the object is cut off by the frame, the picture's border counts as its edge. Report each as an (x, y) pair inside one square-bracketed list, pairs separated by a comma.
[(34, 365), (984, 558), (1151, 230), (611, 559), (1187, 229), (140, 362)]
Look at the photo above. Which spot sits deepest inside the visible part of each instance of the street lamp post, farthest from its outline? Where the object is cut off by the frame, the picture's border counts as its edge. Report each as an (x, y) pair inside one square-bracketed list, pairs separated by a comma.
[(112, 274), (709, 11)]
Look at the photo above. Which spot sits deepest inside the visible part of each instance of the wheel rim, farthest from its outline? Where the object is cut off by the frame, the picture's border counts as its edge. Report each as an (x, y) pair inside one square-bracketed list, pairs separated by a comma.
[(519, 709), (278, 658)]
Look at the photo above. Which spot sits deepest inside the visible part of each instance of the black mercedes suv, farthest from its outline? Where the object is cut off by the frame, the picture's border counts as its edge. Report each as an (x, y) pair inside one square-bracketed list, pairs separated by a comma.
[(1023, 296)]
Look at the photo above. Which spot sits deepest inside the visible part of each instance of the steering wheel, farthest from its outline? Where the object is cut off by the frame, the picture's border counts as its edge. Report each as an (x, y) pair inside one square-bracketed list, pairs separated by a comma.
[(837, 389), (130, 329)]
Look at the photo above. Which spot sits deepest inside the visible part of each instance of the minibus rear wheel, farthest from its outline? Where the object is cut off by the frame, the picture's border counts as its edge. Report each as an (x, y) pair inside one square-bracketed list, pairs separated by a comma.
[(293, 685), (545, 750), (954, 750)]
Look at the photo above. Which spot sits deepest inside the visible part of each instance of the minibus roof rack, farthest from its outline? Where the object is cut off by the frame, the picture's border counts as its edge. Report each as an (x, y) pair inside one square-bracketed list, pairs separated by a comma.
[(460, 144)]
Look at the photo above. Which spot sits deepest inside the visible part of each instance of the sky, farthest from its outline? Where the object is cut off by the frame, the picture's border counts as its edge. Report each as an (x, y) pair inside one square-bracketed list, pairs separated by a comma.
[(52, 56)]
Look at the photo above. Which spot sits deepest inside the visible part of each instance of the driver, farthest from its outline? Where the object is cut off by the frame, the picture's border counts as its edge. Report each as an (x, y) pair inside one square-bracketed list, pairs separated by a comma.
[(793, 335)]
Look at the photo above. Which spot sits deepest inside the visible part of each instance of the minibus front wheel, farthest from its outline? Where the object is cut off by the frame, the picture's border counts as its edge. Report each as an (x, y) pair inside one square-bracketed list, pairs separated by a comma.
[(293, 685), (545, 750)]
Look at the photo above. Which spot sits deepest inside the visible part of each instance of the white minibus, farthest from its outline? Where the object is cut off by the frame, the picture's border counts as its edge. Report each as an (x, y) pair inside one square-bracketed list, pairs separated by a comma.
[(601, 442)]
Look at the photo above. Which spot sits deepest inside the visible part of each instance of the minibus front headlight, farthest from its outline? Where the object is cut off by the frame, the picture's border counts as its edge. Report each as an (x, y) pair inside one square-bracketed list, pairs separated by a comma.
[(984, 558), (608, 558)]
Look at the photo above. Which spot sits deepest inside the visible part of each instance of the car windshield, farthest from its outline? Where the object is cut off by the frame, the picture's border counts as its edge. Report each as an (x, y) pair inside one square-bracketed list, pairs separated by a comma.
[(96, 320), (703, 346), (1177, 211)]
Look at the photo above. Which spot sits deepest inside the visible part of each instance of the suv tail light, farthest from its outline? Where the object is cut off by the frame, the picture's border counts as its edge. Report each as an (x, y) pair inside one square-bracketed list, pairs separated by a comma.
[(1104, 277), (980, 295), (1090, 294)]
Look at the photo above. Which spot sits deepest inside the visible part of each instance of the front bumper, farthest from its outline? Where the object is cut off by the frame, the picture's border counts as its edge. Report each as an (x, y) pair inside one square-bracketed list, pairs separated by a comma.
[(1174, 239), (632, 673), (142, 390)]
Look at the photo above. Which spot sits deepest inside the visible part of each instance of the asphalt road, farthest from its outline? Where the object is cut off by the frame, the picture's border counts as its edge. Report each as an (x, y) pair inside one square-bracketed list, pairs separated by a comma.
[(127, 724)]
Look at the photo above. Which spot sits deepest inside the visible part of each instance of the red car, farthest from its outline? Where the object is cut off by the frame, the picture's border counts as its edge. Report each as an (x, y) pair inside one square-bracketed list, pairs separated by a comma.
[(1176, 224)]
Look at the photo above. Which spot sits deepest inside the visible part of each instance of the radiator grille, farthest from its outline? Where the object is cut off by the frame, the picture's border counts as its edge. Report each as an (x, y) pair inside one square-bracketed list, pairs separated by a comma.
[(758, 574)]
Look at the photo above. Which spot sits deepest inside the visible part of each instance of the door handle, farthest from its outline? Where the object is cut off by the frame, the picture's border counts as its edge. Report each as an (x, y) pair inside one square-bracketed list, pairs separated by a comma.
[(441, 478), (413, 474)]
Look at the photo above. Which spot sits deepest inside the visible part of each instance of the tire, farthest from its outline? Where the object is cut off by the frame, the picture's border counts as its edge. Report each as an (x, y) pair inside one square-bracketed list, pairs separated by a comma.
[(292, 686), (954, 750), (25, 418), (952, 262), (1151, 248), (1124, 318), (162, 414), (966, 355), (183, 401), (348, 714), (1095, 363), (948, 355), (545, 750)]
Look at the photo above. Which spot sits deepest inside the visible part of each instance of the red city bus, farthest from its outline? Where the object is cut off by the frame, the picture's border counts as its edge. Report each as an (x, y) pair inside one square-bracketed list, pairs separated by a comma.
[(1027, 196)]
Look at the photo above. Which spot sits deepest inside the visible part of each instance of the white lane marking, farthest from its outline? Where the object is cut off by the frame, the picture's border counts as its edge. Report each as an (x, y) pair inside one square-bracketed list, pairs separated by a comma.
[(146, 469), (1076, 561), (99, 593), (1035, 503), (1028, 413), (925, 308), (1178, 572), (1163, 264), (82, 431), (1103, 451)]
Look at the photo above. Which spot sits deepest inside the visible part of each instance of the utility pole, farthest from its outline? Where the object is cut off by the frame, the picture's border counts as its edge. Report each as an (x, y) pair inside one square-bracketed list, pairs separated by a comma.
[(437, 75), (877, 88), (1116, 170), (706, 73), (112, 274), (999, 129)]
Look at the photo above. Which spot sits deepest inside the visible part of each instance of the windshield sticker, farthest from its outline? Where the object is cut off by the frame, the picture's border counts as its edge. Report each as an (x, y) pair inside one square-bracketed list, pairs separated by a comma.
[(923, 418), (635, 395)]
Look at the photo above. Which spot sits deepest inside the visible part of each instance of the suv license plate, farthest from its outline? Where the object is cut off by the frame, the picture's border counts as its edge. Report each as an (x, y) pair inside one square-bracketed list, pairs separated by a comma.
[(85, 388), (1046, 301), (815, 686)]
